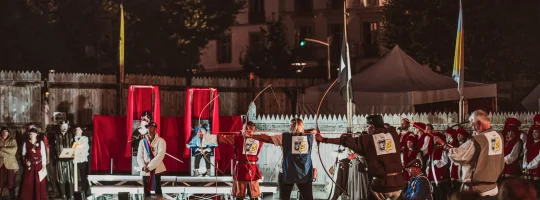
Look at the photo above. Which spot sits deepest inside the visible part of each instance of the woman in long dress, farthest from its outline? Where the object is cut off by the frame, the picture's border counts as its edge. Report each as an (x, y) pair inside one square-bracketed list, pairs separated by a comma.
[(34, 160)]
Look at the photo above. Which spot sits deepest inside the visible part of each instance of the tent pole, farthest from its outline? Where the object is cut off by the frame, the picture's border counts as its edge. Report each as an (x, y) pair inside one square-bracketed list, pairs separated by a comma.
[(460, 109)]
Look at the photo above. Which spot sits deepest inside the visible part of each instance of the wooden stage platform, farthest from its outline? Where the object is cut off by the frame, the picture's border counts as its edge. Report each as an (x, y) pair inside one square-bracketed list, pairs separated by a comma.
[(173, 187)]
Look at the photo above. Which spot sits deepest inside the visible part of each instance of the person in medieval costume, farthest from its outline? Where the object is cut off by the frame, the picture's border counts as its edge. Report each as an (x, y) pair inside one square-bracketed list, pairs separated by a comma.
[(452, 139), (80, 143), (409, 153), (481, 158), (64, 166), (404, 131), (140, 132), (358, 185), (150, 156), (512, 149), (8, 162), (418, 186), (34, 161), (246, 174), (382, 152), (340, 172), (424, 144), (203, 150), (536, 124), (437, 170), (531, 161), (297, 167)]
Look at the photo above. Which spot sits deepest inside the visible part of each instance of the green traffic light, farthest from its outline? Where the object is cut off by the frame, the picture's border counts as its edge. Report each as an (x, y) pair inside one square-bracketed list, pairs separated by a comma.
[(302, 43)]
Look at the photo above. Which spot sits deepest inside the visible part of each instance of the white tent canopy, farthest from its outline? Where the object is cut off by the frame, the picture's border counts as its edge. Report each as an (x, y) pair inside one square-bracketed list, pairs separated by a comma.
[(393, 85), (532, 101)]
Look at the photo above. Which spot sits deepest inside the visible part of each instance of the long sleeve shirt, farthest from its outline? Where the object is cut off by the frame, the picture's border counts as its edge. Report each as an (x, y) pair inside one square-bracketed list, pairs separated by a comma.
[(425, 147), (533, 164), (43, 153), (464, 155), (81, 144), (418, 188), (514, 154)]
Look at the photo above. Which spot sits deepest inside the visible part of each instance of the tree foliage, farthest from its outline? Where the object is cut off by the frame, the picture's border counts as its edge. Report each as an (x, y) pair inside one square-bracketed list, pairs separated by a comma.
[(500, 36), (166, 35), (273, 57)]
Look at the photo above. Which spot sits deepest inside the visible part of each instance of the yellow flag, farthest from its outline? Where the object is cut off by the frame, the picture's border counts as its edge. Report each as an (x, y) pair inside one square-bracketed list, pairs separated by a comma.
[(121, 45)]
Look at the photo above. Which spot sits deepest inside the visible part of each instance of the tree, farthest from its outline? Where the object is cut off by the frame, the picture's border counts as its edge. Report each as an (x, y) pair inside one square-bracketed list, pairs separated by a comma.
[(166, 35), (499, 35), (273, 57)]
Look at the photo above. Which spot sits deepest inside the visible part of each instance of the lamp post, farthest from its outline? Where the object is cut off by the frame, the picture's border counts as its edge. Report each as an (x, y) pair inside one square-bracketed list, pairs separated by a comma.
[(327, 44)]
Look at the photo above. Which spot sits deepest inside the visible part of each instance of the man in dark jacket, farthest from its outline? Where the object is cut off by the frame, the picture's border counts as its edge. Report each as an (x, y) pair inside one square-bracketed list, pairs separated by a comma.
[(381, 149), (418, 187)]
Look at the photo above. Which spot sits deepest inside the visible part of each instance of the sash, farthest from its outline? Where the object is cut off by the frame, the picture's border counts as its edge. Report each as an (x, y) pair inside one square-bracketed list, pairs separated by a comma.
[(151, 180)]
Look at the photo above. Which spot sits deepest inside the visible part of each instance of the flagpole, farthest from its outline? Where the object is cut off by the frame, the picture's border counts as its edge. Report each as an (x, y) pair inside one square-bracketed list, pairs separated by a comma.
[(349, 103)]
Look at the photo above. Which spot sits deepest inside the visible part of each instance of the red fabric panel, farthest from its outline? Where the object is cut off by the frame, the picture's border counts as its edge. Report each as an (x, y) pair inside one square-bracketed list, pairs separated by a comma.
[(187, 120), (201, 97), (109, 142), (228, 124), (142, 102), (176, 143), (156, 114), (215, 118)]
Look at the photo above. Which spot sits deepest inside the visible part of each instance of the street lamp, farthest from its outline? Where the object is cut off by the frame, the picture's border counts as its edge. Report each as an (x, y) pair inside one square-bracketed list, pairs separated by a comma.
[(327, 44)]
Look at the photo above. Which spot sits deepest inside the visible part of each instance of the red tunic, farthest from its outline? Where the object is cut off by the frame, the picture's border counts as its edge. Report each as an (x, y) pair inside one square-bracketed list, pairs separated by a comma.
[(439, 171), (246, 156), (532, 152), (407, 157), (512, 169), (33, 188)]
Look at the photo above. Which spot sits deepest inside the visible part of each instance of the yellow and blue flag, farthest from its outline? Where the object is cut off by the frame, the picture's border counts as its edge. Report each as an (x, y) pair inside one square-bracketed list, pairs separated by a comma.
[(121, 45), (459, 60)]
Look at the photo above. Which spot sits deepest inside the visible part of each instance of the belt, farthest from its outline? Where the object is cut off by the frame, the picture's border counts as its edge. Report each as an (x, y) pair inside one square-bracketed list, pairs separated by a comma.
[(245, 162), (387, 175), (478, 183)]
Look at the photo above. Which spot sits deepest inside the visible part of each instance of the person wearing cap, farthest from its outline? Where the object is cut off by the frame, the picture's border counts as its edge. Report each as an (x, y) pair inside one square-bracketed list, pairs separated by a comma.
[(536, 123), (409, 153), (531, 159), (424, 143), (512, 149), (202, 150), (80, 143), (438, 175), (246, 174), (297, 167), (418, 186), (8, 162), (481, 158), (64, 166), (34, 160), (404, 131), (381, 149), (150, 156)]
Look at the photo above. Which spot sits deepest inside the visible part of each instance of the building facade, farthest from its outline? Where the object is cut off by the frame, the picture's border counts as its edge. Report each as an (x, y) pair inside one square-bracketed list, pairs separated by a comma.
[(318, 19)]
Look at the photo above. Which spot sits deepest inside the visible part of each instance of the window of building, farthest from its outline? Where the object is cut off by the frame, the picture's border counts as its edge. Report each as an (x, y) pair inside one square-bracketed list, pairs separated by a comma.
[(256, 13), (224, 49), (372, 2), (336, 4), (307, 30), (256, 41), (303, 5), (371, 30)]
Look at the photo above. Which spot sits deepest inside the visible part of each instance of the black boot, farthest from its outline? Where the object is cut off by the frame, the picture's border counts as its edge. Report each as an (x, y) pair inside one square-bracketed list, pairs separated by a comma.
[(63, 194), (71, 191), (12, 193)]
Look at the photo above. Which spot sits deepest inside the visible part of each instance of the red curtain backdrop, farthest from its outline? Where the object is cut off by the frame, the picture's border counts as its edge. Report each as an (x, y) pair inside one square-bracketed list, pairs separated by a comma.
[(109, 142), (140, 100), (228, 124), (196, 100)]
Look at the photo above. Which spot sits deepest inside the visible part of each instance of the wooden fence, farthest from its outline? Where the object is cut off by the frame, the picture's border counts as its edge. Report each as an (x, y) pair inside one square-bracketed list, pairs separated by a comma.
[(83, 95), (20, 94)]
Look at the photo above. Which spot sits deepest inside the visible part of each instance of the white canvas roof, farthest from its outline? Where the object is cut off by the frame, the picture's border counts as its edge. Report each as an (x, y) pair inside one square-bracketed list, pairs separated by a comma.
[(393, 85)]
